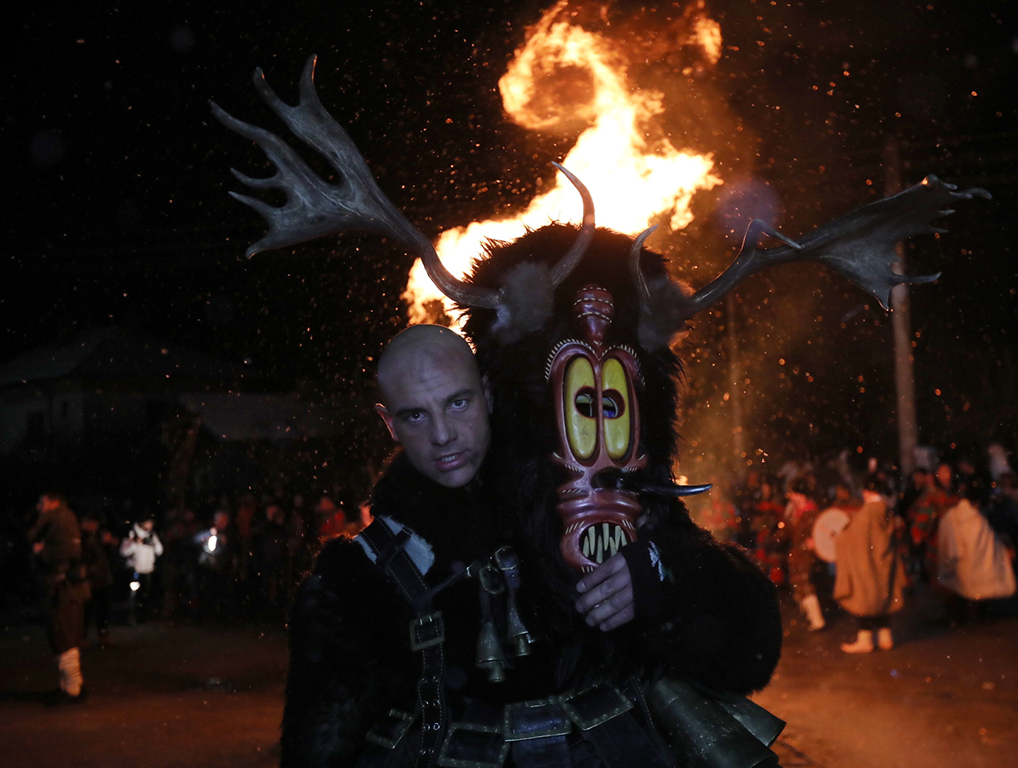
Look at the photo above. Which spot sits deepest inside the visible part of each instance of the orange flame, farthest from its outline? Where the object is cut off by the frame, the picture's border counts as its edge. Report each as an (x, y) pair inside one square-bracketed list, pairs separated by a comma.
[(631, 179)]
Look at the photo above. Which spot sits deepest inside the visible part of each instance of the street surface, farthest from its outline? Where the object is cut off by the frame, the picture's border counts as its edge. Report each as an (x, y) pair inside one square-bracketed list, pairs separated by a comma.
[(943, 697), (183, 695)]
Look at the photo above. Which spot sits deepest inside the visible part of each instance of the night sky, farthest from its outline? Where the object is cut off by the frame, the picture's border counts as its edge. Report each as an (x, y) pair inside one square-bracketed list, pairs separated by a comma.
[(116, 209)]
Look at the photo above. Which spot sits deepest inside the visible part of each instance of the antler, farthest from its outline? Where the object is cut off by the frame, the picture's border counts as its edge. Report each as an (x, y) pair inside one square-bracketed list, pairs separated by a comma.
[(859, 245), (315, 208)]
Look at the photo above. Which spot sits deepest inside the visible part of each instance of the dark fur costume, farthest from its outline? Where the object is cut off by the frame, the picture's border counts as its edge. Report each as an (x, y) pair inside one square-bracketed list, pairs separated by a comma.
[(713, 619), (349, 656), (729, 634)]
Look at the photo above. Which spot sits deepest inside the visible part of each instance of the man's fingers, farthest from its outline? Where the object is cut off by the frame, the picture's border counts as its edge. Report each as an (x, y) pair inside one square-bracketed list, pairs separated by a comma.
[(627, 614), (613, 612), (609, 579), (603, 592), (608, 568), (606, 594)]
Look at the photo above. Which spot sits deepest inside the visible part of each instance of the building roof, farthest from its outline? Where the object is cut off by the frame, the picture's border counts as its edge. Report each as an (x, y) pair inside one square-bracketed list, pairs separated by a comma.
[(243, 417), (115, 353)]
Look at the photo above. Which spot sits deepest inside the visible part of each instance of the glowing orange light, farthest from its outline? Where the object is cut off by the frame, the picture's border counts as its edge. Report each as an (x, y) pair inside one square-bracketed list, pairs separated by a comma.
[(632, 179)]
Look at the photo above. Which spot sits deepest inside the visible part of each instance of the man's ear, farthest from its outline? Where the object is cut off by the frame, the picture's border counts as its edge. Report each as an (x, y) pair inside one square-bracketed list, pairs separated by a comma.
[(486, 388), (387, 418)]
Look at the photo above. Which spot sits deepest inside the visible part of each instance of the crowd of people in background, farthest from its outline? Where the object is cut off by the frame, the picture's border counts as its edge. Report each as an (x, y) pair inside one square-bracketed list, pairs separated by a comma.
[(953, 528), (862, 541), (237, 558)]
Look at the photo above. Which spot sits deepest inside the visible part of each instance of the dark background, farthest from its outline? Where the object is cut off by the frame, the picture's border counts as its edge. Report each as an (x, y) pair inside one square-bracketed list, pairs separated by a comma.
[(116, 176)]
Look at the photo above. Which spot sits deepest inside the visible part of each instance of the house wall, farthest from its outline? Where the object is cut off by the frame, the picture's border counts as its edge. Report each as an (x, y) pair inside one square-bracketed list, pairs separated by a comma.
[(38, 419), (70, 415)]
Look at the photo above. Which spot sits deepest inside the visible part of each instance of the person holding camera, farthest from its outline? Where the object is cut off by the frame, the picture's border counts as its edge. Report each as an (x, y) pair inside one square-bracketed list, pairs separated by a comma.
[(141, 547)]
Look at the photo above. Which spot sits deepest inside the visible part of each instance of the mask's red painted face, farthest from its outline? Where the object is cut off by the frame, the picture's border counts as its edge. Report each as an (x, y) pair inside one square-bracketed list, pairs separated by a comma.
[(598, 422)]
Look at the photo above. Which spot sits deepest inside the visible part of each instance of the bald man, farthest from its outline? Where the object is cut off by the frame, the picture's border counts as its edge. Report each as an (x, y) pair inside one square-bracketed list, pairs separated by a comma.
[(389, 636), (351, 665), (435, 403)]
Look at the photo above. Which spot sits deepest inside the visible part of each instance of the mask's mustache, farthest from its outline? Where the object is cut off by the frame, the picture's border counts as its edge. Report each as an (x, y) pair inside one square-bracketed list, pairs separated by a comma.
[(617, 480)]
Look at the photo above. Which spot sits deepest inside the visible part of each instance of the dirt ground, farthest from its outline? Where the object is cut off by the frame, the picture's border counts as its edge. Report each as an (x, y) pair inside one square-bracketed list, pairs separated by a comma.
[(185, 695)]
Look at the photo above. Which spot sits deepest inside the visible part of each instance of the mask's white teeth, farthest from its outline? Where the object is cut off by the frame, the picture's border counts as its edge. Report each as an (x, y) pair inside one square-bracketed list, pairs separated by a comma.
[(618, 540)]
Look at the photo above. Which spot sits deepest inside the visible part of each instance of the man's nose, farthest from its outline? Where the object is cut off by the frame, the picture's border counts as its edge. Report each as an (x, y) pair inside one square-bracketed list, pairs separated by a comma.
[(443, 431)]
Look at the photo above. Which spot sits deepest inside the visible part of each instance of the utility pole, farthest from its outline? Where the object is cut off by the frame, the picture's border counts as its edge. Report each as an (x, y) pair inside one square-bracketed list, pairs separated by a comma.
[(735, 376), (901, 322)]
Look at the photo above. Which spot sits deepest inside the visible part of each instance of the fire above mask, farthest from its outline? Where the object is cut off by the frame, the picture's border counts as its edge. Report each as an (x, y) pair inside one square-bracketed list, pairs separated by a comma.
[(598, 422)]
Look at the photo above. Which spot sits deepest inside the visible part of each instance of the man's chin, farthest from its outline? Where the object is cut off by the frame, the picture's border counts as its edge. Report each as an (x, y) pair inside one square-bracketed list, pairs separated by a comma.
[(455, 478)]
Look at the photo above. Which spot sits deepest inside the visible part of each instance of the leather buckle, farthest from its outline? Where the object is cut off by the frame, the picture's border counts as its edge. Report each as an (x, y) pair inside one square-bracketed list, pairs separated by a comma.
[(388, 730), (471, 745), (589, 708), (426, 631), (525, 720)]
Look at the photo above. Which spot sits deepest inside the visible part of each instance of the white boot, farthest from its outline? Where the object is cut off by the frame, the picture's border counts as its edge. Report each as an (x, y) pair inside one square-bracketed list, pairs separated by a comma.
[(69, 664), (863, 643), (885, 640), (811, 607)]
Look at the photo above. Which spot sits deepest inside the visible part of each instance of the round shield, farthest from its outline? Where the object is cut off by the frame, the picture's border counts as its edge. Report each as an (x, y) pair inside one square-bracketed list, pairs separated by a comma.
[(828, 525)]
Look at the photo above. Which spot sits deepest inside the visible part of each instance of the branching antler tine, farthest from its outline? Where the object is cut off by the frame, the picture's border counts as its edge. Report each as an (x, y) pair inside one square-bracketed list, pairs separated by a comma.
[(920, 279), (767, 229), (749, 260), (568, 262), (288, 163), (266, 183), (264, 209), (634, 265), (248, 131), (266, 212), (268, 94)]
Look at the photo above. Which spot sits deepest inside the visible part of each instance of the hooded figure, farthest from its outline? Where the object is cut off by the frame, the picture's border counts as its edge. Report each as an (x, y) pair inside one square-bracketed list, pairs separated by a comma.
[(871, 576), (973, 562)]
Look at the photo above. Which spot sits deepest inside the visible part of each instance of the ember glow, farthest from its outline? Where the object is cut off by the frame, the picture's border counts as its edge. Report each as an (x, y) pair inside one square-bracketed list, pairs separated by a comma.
[(566, 74)]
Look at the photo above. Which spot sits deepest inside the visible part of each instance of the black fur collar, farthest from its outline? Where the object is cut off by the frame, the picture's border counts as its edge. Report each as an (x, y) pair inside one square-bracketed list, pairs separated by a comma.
[(460, 524)]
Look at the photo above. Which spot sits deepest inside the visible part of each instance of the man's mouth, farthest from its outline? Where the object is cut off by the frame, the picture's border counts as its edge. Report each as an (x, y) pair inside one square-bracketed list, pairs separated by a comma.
[(451, 462)]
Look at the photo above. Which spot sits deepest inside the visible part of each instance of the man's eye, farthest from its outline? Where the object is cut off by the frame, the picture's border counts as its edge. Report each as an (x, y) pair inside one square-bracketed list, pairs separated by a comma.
[(459, 403), (415, 417)]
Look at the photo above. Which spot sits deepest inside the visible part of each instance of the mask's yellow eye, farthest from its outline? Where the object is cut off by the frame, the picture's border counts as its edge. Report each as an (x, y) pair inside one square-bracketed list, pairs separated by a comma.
[(580, 408), (616, 408)]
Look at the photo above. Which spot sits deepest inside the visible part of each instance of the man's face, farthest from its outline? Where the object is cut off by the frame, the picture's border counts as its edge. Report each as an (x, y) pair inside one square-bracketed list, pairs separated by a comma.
[(437, 408)]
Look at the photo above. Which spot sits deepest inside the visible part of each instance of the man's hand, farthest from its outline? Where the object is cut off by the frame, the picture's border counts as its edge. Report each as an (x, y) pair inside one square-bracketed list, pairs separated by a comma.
[(606, 594)]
